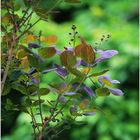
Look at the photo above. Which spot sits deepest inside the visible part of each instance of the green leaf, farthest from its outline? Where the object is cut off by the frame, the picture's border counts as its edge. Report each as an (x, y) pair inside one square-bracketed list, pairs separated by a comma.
[(36, 62), (20, 88), (75, 72), (28, 102), (102, 92), (9, 104), (99, 73), (33, 61), (68, 59), (15, 75), (73, 1), (42, 7), (7, 88), (47, 52), (26, 49), (43, 91), (37, 102)]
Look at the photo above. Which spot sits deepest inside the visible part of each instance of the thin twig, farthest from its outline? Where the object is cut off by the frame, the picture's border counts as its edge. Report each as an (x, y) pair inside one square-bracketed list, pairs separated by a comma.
[(46, 122), (26, 12), (10, 54), (32, 114), (28, 29), (28, 17)]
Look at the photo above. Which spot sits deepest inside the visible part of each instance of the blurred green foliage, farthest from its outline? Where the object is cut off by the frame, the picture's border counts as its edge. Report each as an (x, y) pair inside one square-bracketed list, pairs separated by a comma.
[(93, 19)]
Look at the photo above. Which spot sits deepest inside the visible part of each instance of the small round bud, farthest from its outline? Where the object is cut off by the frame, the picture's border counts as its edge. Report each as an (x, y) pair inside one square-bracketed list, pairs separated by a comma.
[(62, 99), (65, 48), (73, 109), (51, 110)]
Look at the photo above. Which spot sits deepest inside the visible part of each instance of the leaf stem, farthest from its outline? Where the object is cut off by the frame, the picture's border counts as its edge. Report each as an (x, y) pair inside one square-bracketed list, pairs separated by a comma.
[(51, 118)]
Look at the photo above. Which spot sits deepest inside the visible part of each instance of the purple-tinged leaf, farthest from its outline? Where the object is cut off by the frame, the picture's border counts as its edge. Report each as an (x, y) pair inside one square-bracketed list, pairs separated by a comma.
[(105, 55), (89, 113), (58, 51), (61, 71), (70, 49), (32, 71), (49, 70), (62, 99), (107, 80), (75, 85), (33, 46), (70, 93), (83, 63), (116, 92), (115, 81), (73, 109), (78, 63), (89, 91), (34, 80)]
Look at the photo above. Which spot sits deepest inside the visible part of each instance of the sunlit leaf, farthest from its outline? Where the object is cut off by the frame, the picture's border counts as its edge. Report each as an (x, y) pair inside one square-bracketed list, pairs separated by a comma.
[(75, 72), (85, 70), (24, 63), (47, 52), (6, 19), (99, 73), (102, 92), (84, 104), (30, 38), (21, 53), (43, 91), (106, 82), (52, 39)]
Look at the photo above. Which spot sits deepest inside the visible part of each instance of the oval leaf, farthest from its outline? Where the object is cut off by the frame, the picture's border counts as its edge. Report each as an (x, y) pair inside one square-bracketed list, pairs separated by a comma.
[(43, 91), (102, 92), (47, 52), (77, 50), (88, 54), (68, 58)]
